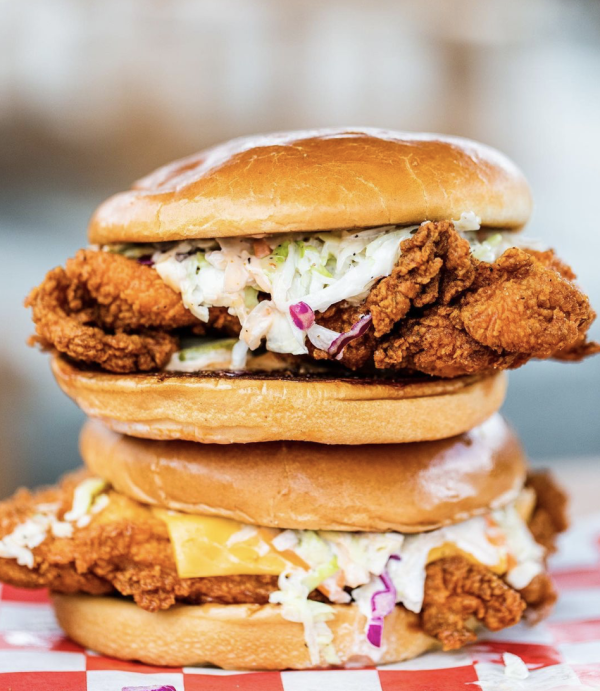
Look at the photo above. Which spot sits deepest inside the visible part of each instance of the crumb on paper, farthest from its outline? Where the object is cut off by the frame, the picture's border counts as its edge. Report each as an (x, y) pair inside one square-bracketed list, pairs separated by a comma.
[(514, 667)]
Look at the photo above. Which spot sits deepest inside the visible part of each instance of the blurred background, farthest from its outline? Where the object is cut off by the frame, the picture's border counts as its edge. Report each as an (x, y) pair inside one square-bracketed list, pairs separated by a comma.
[(94, 94)]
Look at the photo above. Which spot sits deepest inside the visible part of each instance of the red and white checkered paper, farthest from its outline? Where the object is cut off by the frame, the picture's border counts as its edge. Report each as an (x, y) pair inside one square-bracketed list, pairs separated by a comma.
[(562, 653)]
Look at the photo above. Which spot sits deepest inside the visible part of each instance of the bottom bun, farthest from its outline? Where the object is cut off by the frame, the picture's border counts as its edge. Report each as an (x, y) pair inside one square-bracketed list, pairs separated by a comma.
[(229, 636), (241, 408)]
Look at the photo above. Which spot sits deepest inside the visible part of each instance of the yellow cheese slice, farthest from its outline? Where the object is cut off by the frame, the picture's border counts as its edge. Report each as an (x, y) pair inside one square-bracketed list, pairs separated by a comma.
[(525, 503), (211, 546)]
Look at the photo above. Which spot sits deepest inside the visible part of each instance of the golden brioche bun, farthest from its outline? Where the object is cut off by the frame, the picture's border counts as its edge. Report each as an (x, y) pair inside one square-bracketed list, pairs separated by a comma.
[(403, 487), (226, 408), (229, 636), (317, 180)]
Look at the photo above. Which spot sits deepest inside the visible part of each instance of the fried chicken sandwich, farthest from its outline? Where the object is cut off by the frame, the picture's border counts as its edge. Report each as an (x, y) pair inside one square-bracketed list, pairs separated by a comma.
[(338, 286), (286, 554)]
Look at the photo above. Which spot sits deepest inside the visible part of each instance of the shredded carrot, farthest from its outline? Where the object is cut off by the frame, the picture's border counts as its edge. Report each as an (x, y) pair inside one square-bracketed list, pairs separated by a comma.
[(261, 248)]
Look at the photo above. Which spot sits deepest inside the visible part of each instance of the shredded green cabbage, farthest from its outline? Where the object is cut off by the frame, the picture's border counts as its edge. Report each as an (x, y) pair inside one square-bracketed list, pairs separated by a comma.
[(84, 496)]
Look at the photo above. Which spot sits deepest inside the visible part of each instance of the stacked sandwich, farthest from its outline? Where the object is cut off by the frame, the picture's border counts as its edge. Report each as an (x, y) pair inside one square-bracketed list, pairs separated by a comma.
[(291, 350)]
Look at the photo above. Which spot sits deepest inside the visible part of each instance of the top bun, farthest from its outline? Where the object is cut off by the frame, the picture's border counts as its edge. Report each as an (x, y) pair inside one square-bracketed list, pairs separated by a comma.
[(406, 487), (317, 180)]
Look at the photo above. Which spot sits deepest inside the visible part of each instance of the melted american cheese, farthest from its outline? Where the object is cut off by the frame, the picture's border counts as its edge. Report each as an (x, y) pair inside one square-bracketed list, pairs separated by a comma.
[(212, 546)]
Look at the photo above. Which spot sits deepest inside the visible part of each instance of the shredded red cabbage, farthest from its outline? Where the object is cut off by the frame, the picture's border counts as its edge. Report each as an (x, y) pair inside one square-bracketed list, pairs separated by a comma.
[(146, 260), (149, 688), (382, 604), (359, 329), (302, 315)]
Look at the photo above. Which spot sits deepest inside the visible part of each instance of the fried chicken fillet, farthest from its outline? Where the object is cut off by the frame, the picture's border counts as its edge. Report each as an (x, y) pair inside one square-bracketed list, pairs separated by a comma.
[(105, 309), (126, 549), (441, 311)]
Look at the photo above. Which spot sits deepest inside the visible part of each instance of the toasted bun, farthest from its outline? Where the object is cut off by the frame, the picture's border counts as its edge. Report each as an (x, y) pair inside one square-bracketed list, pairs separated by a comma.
[(317, 180), (403, 487), (226, 408), (229, 636)]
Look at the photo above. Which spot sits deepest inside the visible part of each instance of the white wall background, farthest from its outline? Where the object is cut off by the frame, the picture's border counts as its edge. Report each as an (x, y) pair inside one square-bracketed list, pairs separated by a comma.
[(95, 94)]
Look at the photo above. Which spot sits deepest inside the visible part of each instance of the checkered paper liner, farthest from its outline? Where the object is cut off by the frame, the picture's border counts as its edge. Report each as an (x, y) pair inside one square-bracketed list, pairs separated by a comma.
[(562, 653)]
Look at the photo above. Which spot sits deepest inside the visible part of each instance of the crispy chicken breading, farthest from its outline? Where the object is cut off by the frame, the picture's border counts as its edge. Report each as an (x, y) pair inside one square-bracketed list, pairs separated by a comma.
[(435, 263), (455, 590), (126, 549), (114, 292), (445, 313), (64, 321), (114, 312), (550, 515), (540, 596), (520, 305), (436, 343), (440, 311), (341, 317)]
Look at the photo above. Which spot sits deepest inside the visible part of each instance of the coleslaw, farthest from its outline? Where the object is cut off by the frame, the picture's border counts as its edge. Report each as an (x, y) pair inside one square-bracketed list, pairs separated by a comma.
[(275, 285), (379, 570)]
